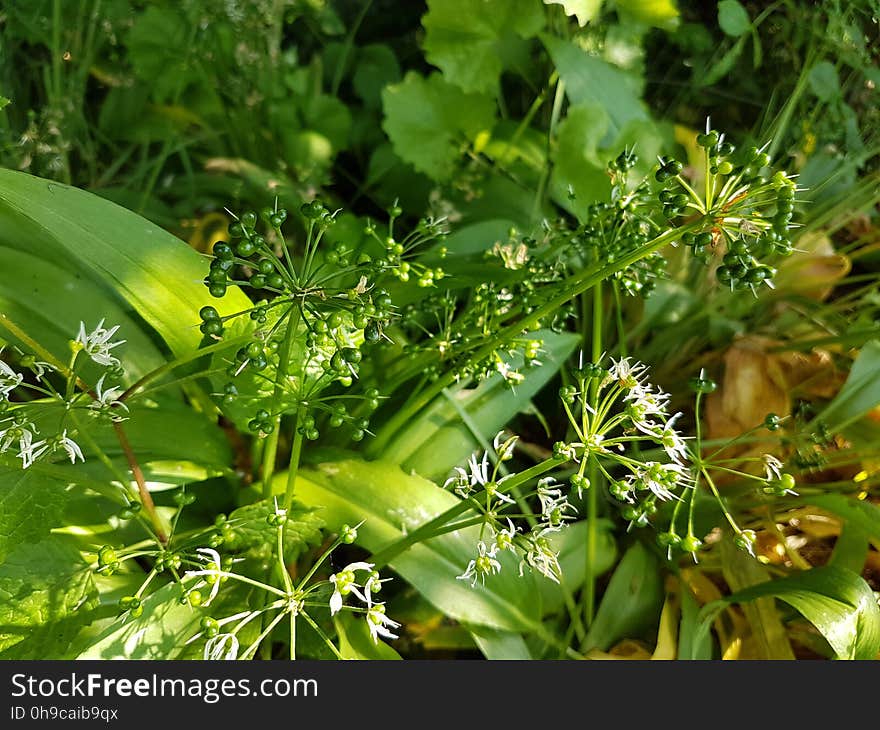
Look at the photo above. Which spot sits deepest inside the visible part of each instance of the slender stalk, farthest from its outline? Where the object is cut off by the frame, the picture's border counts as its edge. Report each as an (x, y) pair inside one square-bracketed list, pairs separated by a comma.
[(295, 453), (143, 492), (593, 491)]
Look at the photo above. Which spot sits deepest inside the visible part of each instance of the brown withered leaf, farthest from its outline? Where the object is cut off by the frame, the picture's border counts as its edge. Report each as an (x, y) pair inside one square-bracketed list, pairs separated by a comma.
[(813, 269)]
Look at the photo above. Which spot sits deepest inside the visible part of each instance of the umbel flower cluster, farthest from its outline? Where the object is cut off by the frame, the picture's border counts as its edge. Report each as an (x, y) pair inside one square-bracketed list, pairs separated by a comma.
[(45, 422), (615, 415)]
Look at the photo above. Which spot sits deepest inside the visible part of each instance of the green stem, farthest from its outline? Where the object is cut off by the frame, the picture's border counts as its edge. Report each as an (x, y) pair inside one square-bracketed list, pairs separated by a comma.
[(295, 453), (592, 493)]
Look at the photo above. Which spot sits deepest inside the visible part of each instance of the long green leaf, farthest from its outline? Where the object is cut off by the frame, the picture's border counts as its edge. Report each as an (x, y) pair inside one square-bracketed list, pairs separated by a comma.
[(836, 601), (859, 394), (157, 274)]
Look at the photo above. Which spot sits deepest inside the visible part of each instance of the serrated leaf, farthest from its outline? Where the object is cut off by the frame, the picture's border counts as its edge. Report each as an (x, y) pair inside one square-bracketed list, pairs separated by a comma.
[(160, 632), (836, 601), (464, 38), (431, 122), (391, 503), (438, 439), (155, 273), (252, 531), (30, 506), (733, 18), (859, 394), (46, 597), (584, 10), (158, 49), (590, 80)]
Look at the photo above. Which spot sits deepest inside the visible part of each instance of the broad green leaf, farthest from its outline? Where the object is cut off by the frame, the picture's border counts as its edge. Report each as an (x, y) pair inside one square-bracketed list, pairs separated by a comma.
[(159, 48), (632, 601), (4, 102), (392, 503), (836, 601), (161, 632), (46, 597), (584, 10), (49, 302), (464, 38), (431, 122), (590, 80), (355, 641), (658, 13), (733, 18), (157, 274), (859, 394), (251, 531), (824, 82), (851, 548), (864, 515), (504, 645), (741, 571), (446, 432), (579, 178), (377, 67), (30, 506)]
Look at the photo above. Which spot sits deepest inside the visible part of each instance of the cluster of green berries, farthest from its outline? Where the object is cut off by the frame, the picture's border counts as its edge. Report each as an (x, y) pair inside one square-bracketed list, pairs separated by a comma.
[(400, 255), (748, 215)]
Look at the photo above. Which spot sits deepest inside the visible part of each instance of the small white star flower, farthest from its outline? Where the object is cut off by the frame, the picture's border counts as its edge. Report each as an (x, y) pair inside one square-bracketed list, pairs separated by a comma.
[(772, 467), (73, 450), (29, 450), (345, 583), (9, 379), (97, 343), (482, 565), (107, 401), (379, 624), (223, 647)]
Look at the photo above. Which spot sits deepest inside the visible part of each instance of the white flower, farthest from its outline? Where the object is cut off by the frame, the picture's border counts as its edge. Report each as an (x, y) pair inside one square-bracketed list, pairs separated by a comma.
[(625, 373), (660, 479), (504, 448), (479, 470), (223, 647), (73, 450), (345, 583), (673, 443), (772, 467), (554, 503), (378, 623), (107, 401), (29, 450), (482, 565), (211, 559), (504, 537), (460, 482), (97, 343), (540, 556), (9, 379)]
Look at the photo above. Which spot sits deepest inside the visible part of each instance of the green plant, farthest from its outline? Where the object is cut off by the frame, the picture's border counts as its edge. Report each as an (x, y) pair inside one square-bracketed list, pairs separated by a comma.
[(420, 345)]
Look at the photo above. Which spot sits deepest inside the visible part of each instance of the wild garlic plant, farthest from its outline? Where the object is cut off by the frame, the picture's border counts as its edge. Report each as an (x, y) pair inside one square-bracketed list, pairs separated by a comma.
[(354, 588)]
